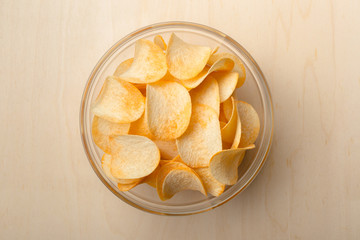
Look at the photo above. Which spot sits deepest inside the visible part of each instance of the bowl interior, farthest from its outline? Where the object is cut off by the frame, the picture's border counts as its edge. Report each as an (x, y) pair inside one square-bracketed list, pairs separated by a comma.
[(254, 91)]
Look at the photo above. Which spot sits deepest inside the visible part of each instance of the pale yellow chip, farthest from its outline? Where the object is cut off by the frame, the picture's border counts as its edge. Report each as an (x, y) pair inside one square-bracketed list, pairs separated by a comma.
[(207, 93), (175, 177), (168, 148), (119, 102), (140, 127), (227, 83), (239, 66), (224, 165), (202, 138), (168, 109), (185, 60), (133, 156), (231, 132), (123, 67), (212, 186), (224, 64), (151, 179), (149, 63), (214, 50), (106, 163), (127, 187), (159, 40), (102, 130), (227, 108), (250, 123)]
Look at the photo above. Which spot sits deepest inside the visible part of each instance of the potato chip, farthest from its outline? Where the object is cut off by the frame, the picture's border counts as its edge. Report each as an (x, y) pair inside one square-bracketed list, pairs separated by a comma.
[(123, 67), (207, 93), (250, 123), (227, 108), (127, 187), (239, 66), (212, 186), (102, 130), (119, 102), (224, 64), (158, 40), (227, 83), (175, 177), (106, 163), (202, 138), (215, 49), (168, 109), (241, 158), (140, 127), (133, 156), (222, 124), (185, 60), (149, 63), (168, 148), (231, 132), (224, 165)]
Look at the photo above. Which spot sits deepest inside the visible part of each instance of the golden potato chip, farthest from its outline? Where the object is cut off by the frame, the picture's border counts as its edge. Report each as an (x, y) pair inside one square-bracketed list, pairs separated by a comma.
[(106, 163), (133, 156), (127, 187), (224, 64), (227, 83), (239, 66), (222, 117), (102, 130), (215, 49), (202, 138), (222, 124), (241, 158), (227, 107), (168, 148), (149, 63), (168, 109), (185, 60), (140, 127), (119, 102), (207, 93), (158, 40), (250, 123), (212, 186), (151, 179), (175, 177), (123, 67), (224, 165), (231, 132)]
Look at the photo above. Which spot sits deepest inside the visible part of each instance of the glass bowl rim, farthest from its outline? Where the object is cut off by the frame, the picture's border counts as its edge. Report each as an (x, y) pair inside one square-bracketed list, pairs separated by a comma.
[(123, 40)]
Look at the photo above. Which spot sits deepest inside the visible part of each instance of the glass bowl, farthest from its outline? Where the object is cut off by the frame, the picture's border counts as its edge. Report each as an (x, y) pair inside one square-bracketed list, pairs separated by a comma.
[(255, 91)]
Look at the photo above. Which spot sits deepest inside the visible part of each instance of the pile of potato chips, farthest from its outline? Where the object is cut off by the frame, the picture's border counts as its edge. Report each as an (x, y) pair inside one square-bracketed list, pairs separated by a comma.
[(167, 118)]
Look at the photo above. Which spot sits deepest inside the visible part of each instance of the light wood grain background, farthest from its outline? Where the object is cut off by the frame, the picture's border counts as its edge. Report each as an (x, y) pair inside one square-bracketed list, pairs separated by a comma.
[(308, 50)]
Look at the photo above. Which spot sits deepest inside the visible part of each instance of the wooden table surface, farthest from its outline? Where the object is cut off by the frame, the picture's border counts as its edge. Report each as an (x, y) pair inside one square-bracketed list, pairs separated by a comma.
[(310, 186)]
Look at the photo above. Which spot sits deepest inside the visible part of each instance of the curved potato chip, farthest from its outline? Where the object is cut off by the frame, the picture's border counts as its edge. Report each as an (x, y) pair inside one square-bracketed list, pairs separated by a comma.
[(207, 93), (227, 107), (224, 64), (140, 127), (222, 124), (102, 130), (231, 132), (159, 40), (149, 63), (241, 158), (227, 83), (185, 60), (224, 165), (250, 123), (202, 138), (239, 66), (123, 67), (168, 109), (127, 187), (119, 102), (133, 156), (215, 49), (212, 186), (106, 163), (168, 148), (175, 177)]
